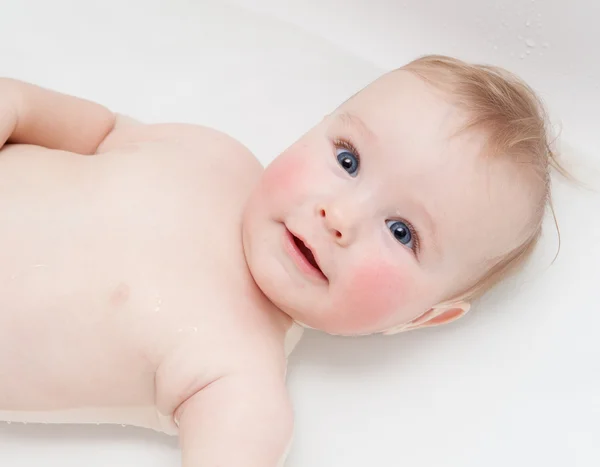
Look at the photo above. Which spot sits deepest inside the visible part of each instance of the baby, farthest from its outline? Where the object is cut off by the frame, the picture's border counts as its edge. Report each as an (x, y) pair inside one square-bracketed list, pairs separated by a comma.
[(157, 275)]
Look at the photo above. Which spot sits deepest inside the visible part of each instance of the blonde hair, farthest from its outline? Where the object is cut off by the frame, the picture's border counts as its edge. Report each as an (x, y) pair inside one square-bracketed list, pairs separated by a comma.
[(516, 124)]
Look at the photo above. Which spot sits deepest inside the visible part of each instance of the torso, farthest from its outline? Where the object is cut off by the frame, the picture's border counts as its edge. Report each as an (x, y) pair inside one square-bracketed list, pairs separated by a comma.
[(123, 284)]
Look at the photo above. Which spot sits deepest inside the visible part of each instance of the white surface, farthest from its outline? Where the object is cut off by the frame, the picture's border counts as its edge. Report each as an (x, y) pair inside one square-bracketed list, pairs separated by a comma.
[(517, 382)]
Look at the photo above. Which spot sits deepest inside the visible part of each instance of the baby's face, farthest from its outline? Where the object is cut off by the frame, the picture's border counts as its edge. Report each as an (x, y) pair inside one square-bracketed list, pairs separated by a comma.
[(399, 214)]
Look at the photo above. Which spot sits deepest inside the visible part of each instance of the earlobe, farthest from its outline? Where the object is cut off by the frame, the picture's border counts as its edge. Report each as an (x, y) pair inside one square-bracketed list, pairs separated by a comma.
[(440, 314)]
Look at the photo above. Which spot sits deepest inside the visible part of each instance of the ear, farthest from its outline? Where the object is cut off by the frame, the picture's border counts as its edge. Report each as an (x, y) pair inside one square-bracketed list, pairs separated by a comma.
[(440, 314)]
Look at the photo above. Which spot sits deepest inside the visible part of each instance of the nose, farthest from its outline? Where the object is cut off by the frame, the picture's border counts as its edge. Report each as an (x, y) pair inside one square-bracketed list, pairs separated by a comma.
[(338, 222)]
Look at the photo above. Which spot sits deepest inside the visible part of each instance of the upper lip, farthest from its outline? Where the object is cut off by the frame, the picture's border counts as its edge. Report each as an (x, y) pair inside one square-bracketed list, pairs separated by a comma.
[(307, 245)]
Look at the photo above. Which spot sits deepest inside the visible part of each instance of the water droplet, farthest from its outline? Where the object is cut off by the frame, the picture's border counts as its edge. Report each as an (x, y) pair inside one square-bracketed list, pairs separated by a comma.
[(9, 423), (528, 52), (520, 37), (545, 45), (528, 23), (123, 426), (495, 47), (180, 330), (530, 43), (98, 424), (539, 15), (522, 56), (195, 329)]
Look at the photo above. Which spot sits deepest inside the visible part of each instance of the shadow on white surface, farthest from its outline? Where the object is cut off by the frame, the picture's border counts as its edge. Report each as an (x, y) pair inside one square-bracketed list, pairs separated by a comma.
[(74, 445)]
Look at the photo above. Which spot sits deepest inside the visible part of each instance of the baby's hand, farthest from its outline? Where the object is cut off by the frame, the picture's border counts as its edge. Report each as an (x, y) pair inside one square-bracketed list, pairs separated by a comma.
[(236, 421), (33, 115)]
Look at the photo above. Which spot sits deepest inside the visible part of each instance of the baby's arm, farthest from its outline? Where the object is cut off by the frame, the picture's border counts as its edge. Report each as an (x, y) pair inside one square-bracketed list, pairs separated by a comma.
[(236, 422), (33, 115)]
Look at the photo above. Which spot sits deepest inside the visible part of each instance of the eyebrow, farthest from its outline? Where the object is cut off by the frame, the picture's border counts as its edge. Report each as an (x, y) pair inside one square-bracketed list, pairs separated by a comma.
[(357, 122)]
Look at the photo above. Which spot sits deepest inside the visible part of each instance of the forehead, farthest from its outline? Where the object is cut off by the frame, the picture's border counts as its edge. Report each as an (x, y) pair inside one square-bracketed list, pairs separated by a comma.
[(405, 110), (411, 126), (419, 159)]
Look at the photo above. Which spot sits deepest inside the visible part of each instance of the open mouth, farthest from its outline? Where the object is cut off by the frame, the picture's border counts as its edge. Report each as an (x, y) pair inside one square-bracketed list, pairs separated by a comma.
[(304, 257), (307, 253)]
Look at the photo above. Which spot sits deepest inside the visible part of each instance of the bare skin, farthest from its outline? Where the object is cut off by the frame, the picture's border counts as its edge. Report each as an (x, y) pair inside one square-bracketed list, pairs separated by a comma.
[(118, 271), (415, 217), (152, 273)]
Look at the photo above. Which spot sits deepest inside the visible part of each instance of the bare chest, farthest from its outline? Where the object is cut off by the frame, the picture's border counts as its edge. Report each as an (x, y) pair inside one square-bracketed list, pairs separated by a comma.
[(109, 264)]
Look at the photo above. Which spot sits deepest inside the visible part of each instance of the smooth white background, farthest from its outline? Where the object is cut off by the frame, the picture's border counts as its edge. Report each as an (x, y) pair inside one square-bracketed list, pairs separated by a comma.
[(517, 382)]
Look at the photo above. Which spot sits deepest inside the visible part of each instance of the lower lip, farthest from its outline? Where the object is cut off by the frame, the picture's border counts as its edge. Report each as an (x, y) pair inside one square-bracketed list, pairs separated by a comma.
[(300, 260)]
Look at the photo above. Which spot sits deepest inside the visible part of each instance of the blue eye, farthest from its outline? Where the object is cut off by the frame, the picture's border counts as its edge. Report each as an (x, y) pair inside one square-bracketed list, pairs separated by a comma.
[(348, 161), (402, 233)]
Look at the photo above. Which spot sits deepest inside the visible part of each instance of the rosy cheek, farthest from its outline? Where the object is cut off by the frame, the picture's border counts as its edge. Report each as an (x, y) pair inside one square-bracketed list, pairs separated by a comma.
[(284, 174), (377, 291)]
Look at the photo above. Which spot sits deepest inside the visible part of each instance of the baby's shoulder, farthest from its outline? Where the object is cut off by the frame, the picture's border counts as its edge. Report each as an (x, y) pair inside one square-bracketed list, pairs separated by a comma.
[(196, 140), (234, 354)]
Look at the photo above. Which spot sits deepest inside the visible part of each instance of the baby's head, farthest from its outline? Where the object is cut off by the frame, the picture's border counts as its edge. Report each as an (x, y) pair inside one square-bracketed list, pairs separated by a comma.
[(410, 200)]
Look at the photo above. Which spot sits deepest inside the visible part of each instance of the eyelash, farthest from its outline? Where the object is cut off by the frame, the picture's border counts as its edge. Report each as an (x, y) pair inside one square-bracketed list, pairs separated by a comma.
[(415, 237), (341, 143)]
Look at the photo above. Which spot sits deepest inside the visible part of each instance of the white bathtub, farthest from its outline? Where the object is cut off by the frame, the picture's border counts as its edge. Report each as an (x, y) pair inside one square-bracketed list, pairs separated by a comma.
[(517, 382)]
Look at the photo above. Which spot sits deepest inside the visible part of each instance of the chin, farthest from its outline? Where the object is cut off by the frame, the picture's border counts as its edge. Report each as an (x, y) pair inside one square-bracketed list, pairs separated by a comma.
[(313, 317)]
